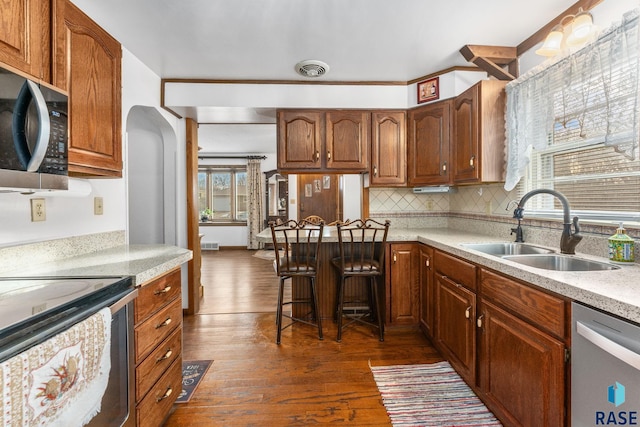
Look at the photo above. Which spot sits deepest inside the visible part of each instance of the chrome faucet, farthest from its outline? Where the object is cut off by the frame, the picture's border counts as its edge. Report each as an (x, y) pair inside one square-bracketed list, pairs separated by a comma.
[(569, 240)]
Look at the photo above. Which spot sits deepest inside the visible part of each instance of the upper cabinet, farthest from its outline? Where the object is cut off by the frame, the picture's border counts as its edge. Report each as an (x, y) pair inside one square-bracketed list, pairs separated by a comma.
[(479, 133), (428, 144), (315, 140), (388, 149), (25, 28), (88, 66)]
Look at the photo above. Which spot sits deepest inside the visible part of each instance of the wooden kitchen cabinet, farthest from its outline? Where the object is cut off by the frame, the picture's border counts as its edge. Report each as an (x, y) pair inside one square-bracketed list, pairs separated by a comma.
[(158, 347), (25, 28), (522, 371), (388, 149), (402, 291), (479, 133), (428, 144), (320, 140), (455, 299), (88, 67), (427, 290)]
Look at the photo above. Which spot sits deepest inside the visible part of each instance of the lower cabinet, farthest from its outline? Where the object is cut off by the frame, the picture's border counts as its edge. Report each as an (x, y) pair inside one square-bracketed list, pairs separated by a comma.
[(158, 348), (507, 339), (427, 290), (402, 291)]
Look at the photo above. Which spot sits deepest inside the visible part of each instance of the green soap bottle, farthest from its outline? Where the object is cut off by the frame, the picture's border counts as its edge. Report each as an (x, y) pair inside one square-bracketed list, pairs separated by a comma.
[(621, 246)]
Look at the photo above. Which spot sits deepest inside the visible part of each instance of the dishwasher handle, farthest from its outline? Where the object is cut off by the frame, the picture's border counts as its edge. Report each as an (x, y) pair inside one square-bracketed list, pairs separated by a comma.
[(618, 351)]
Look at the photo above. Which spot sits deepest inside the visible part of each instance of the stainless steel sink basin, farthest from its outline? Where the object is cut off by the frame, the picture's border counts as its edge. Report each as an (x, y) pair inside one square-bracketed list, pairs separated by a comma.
[(506, 248), (560, 262)]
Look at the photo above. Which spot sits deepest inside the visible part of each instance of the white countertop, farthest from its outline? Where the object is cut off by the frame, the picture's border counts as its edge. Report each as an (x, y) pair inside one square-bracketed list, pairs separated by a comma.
[(615, 291), (141, 262)]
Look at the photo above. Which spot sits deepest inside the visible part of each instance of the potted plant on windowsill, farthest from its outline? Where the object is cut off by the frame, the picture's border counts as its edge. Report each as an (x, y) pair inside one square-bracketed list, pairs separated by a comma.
[(206, 215)]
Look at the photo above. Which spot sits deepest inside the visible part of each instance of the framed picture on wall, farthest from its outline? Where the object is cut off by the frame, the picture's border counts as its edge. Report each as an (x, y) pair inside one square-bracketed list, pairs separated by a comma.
[(308, 190), (316, 186), (429, 90), (326, 182)]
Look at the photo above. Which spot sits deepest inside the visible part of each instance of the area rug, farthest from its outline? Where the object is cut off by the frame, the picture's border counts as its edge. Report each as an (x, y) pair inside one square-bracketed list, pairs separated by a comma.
[(266, 254), (192, 372), (429, 395)]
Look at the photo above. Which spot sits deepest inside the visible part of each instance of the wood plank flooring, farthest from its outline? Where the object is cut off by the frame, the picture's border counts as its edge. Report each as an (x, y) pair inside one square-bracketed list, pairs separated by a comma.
[(304, 381)]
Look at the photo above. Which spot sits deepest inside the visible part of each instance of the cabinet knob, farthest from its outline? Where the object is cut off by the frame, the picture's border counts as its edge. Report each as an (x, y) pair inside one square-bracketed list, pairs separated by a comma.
[(316, 156), (472, 161), (444, 167), (479, 321), (375, 170), (395, 257), (163, 290), (165, 395), (328, 155), (467, 312), (427, 262)]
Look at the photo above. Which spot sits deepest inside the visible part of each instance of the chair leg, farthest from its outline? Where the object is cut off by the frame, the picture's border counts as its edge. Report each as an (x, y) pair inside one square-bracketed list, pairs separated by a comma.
[(279, 310), (314, 303), (340, 304), (376, 307)]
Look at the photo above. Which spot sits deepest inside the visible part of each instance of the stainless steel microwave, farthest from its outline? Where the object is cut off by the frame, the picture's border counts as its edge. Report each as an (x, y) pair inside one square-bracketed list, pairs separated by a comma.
[(33, 135)]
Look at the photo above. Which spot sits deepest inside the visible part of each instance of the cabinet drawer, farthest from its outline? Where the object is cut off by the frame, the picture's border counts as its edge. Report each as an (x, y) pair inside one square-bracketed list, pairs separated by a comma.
[(148, 372), (155, 330), (155, 407), (156, 294), (455, 269), (545, 311)]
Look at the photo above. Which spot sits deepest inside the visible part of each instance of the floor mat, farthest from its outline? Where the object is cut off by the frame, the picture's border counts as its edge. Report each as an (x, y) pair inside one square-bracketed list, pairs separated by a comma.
[(429, 395), (192, 372)]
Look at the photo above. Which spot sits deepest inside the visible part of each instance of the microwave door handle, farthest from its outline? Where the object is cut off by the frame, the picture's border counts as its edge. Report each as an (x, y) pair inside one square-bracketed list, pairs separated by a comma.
[(618, 351), (31, 161)]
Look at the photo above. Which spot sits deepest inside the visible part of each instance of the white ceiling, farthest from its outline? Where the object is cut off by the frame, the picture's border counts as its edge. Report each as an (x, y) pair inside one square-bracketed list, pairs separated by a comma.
[(361, 40)]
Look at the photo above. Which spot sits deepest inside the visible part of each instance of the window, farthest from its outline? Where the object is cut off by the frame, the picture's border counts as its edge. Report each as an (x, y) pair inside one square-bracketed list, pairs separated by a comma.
[(222, 194), (573, 127)]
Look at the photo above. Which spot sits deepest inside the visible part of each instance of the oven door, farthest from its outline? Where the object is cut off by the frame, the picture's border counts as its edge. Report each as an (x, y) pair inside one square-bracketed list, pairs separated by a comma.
[(118, 402)]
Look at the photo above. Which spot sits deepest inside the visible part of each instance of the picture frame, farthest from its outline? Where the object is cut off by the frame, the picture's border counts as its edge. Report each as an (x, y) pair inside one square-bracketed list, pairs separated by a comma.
[(326, 182), (429, 90), (316, 186), (308, 190)]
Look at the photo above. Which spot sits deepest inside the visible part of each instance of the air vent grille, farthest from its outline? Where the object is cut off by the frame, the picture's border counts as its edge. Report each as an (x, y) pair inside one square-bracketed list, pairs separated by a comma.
[(312, 68)]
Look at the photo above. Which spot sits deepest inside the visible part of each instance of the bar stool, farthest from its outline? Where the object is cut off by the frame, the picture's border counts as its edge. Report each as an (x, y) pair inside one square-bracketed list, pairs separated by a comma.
[(362, 247), (297, 245)]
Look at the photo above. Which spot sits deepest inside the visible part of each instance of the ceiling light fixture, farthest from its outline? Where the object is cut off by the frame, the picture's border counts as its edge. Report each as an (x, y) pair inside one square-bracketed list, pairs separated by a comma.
[(312, 68), (580, 30)]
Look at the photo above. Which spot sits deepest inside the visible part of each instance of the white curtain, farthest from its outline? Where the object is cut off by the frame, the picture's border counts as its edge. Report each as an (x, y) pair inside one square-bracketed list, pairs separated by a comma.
[(589, 94), (254, 203)]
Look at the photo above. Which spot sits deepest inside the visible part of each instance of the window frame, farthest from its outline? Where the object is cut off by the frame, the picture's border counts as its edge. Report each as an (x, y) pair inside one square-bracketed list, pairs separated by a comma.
[(209, 170)]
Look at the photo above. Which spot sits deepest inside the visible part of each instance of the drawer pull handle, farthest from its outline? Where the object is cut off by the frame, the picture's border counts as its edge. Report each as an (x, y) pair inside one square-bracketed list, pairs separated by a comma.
[(165, 395), (472, 161), (444, 167), (467, 312), (479, 321), (395, 257), (163, 291), (375, 170), (165, 323), (427, 263), (328, 155), (316, 157), (164, 356)]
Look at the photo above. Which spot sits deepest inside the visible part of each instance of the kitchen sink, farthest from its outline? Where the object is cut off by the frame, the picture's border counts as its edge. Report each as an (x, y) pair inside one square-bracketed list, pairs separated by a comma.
[(560, 262), (506, 248)]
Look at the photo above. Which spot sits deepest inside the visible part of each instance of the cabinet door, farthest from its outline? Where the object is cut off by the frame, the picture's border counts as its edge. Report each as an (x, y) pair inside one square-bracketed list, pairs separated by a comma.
[(88, 65), (428, 144), (347, 140), (521, 370), (466, 136), (388, 149), (455, 326), (300, 136), (25, 37), (427, 294), (403, 292)]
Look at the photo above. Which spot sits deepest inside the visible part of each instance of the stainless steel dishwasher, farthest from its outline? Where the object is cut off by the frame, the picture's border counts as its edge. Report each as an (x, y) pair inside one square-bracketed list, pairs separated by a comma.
[(605, 369)]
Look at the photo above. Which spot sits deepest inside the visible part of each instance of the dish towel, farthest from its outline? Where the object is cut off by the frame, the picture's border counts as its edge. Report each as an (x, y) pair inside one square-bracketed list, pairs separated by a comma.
[(61, 381)]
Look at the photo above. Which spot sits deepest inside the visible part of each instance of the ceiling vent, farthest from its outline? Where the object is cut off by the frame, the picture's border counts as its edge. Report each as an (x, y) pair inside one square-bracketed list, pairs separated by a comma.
[(312, 68)]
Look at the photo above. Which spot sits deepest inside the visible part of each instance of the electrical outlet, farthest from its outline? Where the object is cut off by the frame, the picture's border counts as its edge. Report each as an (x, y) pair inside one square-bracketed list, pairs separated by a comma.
[(488, 207), (429, 204), (38, 211), (98, 206)]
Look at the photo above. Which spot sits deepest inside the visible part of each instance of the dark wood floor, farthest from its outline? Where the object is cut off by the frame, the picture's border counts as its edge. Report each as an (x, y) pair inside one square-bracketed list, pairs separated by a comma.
[(304, 381)]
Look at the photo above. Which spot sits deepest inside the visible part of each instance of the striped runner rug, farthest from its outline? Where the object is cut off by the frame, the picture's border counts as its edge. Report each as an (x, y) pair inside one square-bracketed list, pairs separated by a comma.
[(430, 395)]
